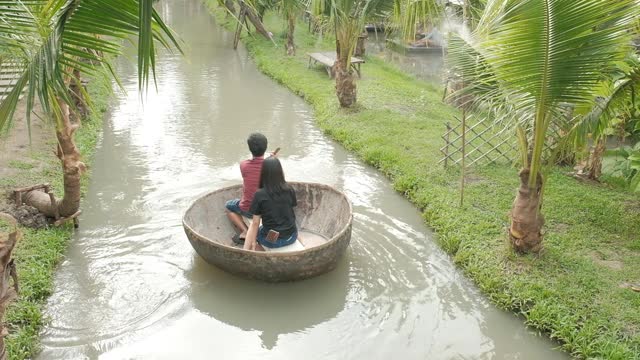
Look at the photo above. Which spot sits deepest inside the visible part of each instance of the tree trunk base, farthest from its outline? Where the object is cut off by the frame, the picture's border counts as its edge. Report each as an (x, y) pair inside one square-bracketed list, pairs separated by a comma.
[(595, 160), (291, 50), (527, 220), (291, 46), (345, 85)]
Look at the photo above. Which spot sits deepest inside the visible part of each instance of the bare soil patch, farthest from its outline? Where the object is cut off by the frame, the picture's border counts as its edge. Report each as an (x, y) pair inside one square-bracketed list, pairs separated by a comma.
[(17, 155), (607, 260)]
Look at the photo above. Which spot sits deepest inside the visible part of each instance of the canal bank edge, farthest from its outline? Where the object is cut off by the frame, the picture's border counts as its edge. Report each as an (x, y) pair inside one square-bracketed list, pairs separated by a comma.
[(39, 252), (574, 292)]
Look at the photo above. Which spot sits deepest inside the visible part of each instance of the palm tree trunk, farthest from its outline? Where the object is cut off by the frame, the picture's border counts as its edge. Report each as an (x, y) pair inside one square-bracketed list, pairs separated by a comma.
[(7, 272), (291, 46), (257, 23), (595, 160), (72, 170), (75, 92), (527, 220), (345, 83)]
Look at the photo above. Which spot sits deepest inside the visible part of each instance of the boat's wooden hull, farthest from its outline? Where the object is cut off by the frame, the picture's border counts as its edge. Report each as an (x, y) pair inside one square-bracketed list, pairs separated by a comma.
[(321, 209)]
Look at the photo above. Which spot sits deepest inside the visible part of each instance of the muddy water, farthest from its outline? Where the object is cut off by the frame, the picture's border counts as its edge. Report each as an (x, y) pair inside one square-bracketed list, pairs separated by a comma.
[(131, 286)]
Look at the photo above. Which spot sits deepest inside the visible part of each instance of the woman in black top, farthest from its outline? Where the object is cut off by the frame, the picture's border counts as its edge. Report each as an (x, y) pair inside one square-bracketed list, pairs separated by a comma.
[(272, 204)]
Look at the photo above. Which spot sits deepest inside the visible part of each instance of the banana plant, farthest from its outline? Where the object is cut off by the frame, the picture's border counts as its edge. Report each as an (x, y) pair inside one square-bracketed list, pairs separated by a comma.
[(629, 166)]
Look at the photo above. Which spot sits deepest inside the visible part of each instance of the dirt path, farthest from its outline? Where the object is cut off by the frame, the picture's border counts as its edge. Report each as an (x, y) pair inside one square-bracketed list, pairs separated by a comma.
[(15, 151), (21, 160)]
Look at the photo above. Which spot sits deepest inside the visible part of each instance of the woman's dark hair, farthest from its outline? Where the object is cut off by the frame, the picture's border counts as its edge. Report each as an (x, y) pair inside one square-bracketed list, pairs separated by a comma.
[(272, 177), (257, 144)]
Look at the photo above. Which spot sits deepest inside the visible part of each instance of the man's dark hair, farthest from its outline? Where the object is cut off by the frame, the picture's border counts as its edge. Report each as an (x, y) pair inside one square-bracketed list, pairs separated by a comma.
[(257, 144)]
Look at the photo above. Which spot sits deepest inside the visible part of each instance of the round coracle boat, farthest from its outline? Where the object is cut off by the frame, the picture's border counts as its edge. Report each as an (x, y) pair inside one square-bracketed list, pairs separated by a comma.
[(323, 217)]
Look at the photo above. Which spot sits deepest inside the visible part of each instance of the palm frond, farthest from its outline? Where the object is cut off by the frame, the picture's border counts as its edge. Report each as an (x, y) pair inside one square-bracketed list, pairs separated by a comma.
[(545, 54), (618, 96), (408, 14), (49, 38)]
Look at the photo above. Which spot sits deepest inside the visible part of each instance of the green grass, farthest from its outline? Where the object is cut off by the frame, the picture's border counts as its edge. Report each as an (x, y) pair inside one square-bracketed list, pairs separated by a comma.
[(573, 291), (39, 251), (17, 164), (5, 226)]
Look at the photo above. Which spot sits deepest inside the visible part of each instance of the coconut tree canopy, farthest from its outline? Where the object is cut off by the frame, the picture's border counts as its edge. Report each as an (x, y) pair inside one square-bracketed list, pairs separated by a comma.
[(47, 39)]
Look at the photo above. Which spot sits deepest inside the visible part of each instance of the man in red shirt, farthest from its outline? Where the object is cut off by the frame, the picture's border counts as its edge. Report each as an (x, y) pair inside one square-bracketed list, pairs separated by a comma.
[(250, 170)]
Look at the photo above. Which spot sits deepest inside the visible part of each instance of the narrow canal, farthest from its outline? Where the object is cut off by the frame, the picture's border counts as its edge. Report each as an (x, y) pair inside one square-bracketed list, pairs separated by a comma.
[(131, 286)]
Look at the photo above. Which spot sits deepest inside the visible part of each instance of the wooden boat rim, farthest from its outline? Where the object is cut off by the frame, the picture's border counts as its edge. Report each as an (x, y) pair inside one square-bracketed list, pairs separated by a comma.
[(335, 238)]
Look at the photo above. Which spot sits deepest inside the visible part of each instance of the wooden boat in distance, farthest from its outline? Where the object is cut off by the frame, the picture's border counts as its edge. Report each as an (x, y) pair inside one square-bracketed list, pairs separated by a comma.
[(324, 216), (406, 49), (374, 27)]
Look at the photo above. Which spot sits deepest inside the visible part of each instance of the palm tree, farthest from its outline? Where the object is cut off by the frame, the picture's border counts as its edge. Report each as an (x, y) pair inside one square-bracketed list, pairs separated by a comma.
[(523, 62), (617, 103), (408, 14), (290, 9), (349, 17), (52, 42)]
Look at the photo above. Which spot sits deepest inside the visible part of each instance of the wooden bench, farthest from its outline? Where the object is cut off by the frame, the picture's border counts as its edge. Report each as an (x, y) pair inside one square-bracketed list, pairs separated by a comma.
[(328, 59)]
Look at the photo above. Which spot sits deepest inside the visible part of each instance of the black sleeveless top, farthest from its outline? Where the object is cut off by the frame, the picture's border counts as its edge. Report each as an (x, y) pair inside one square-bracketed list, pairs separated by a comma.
[(276, 211)]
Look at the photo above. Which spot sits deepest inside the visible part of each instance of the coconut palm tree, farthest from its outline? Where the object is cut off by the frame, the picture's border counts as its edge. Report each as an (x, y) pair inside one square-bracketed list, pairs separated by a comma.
[(408, 14), (617, 106), (525, 60), (349, 18), (290, 10), (52, 42)]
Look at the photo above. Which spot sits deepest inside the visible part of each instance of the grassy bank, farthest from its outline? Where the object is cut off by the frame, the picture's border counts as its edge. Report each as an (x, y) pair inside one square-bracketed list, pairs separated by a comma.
[(576, 291), (38, 253)]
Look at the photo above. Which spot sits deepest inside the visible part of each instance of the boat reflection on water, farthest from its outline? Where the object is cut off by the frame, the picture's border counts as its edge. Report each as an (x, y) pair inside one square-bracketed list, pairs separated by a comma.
[(273, 309)]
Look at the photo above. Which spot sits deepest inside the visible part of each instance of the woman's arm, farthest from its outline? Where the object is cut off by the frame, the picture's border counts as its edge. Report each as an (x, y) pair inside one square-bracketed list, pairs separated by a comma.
[(252, 233)]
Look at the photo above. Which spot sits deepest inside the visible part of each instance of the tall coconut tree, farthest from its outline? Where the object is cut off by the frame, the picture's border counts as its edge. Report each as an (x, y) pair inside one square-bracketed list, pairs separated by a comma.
[(52, 42), (525, 60)]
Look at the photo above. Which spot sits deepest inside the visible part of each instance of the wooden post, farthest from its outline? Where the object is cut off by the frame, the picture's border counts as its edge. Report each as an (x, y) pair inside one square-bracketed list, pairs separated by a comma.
[(446, 87), (446, 146), (464, 130)]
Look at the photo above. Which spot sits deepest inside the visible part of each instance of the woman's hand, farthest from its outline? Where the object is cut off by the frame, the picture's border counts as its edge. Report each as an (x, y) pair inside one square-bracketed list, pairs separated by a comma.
[(252, 233)]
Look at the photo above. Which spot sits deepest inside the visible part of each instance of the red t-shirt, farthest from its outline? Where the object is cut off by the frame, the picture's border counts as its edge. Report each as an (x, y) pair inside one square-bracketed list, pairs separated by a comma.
[(250, 170)]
